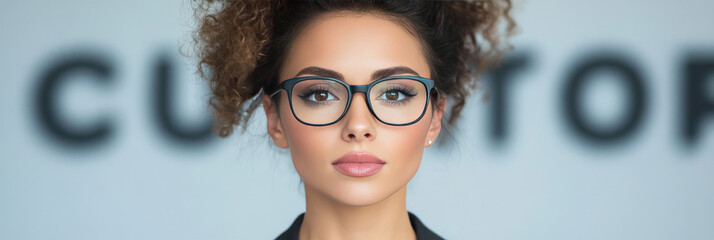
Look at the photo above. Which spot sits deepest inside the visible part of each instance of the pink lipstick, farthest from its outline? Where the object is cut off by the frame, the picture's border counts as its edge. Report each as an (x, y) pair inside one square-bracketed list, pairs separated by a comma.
[(358, 164)]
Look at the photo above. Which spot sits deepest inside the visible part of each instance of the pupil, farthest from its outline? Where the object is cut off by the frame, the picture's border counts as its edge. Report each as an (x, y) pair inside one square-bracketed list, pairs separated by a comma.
[(321, 96), (392, 95)]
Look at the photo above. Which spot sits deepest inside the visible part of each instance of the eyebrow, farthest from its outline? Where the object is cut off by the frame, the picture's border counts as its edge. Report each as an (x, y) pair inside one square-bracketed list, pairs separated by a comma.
[(381, 73)]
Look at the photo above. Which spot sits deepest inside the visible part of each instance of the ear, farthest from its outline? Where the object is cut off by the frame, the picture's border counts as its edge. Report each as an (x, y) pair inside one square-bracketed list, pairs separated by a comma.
[(275, 128), (435, 126)]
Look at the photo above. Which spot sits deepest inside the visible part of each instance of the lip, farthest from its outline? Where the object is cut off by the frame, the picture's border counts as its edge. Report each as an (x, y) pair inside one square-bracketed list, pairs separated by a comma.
[(358, 164)]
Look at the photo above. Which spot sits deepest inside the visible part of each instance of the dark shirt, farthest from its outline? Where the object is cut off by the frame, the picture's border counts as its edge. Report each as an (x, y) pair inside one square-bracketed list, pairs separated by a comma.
[(421, 231)]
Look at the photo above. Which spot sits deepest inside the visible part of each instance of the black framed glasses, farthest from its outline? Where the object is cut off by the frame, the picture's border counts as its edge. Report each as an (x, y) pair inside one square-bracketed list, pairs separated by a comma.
[(321, 101)]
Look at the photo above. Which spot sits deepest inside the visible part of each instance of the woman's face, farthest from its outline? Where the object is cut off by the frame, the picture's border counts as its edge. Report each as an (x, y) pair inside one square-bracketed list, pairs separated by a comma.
[(354, 46)]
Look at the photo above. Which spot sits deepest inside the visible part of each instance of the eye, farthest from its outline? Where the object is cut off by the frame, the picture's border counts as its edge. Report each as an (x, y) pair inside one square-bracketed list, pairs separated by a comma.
[(392, 95), (320, 96)]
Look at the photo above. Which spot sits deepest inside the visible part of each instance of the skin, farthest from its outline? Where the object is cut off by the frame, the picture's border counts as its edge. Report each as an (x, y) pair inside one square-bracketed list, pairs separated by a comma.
[(340, 206)]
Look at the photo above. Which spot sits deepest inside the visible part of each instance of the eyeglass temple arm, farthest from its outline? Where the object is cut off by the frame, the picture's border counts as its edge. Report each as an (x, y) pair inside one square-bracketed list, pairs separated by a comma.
[(276, 92)]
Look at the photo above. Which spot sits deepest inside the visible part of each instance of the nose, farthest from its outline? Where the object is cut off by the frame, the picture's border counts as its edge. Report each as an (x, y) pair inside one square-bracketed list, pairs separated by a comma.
[(358, 121)]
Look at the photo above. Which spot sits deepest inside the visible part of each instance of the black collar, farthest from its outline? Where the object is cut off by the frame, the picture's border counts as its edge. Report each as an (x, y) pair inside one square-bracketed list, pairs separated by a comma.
[(421, 231)]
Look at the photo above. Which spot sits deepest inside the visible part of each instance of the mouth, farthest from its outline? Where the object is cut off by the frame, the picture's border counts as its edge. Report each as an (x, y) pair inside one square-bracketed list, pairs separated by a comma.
[(358, 164)]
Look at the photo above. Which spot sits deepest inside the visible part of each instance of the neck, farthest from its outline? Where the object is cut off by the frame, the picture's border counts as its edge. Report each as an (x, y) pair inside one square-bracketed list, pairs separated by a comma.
[(326, 218)]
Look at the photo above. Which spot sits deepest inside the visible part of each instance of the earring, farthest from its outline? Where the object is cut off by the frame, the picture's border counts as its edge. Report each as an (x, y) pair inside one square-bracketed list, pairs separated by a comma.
[(429, 142)]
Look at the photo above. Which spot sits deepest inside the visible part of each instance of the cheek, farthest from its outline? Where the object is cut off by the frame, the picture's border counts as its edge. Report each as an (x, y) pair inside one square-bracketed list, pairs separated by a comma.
[(404, 145), (307, 143), (309, 146)]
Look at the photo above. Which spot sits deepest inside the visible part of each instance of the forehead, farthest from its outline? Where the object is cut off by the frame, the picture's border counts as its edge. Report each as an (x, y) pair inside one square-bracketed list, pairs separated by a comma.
[(354, 45)]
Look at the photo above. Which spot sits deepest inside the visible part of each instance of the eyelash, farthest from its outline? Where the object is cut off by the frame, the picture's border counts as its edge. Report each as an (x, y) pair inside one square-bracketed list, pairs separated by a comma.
[(408, 94), (312, 90)]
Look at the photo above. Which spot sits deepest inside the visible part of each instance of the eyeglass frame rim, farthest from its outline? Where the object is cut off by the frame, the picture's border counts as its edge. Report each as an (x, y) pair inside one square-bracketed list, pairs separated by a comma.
[(289, 84)]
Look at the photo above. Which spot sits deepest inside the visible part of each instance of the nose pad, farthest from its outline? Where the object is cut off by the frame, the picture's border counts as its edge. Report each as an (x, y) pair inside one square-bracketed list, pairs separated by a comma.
[(358, 121)]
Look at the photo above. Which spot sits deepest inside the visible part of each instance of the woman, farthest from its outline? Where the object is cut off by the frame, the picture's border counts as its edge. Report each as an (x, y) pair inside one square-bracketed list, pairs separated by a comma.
[(355, 89)]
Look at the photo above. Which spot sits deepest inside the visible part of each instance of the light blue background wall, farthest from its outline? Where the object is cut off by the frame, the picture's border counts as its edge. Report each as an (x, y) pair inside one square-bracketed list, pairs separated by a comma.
[(542, 181)]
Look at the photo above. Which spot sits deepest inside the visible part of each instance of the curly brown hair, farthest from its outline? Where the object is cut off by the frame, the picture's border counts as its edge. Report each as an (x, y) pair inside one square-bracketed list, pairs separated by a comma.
[(241, 45)]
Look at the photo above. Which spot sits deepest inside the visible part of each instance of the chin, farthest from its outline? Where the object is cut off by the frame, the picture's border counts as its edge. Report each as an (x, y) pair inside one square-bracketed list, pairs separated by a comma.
[(361, 194)]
